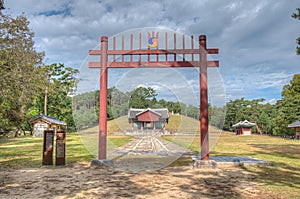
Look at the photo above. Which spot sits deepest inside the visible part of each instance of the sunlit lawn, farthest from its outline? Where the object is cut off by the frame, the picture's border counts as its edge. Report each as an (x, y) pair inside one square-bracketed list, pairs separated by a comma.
[(26, 151), (283, 177)]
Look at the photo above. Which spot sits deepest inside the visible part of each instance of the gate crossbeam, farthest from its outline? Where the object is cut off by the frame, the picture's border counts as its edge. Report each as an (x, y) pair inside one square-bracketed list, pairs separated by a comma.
[(154, 64)]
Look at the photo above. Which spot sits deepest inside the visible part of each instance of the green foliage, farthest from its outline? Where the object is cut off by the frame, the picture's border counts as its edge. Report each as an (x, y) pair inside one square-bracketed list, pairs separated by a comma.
[(61, 86), (2, 4), (297, 16), (86, 109), (20, 77), (142, 97), (86, 105), (288, 107), (217, 116), (251, 110), (270, 119)]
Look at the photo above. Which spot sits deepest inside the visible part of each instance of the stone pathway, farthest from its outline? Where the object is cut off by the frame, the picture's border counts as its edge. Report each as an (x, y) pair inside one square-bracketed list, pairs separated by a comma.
[(146, 153), (149, 145)]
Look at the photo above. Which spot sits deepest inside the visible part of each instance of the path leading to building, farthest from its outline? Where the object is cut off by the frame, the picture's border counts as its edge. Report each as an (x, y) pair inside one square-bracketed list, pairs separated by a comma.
[(146, 153)]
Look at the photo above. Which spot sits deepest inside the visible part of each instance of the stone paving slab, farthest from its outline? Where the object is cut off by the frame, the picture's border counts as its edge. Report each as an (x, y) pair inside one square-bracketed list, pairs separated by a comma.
[(234, 160)]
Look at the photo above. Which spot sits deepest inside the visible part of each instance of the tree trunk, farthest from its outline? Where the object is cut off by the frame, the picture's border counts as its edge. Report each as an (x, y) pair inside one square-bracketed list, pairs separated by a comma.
[(24, 133), (258, 129), (17, 132)]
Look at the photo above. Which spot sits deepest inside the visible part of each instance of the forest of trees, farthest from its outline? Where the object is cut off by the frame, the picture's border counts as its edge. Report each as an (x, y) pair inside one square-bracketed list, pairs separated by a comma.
[(24, 80), (270, 119), (86, 105)]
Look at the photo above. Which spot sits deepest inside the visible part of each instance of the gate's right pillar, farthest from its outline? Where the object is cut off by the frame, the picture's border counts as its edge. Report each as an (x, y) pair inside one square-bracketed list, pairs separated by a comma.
[(203, 99)]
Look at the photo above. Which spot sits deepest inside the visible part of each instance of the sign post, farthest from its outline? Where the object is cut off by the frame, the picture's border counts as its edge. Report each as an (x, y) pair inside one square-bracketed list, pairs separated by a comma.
[(60, 158), (48, 147)]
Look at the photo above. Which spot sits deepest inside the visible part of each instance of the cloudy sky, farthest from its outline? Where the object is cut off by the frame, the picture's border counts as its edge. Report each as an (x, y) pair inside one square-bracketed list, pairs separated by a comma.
[(256, 39)]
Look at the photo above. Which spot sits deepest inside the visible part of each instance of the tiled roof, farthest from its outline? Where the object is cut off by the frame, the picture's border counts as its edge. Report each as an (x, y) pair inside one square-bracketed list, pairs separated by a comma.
[(245, 124), (163, 112), (52, 120), (295, 124)]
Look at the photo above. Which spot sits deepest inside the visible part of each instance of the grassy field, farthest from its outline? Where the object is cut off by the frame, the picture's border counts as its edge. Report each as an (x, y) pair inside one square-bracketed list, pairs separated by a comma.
[(283, 177), (26, 151)]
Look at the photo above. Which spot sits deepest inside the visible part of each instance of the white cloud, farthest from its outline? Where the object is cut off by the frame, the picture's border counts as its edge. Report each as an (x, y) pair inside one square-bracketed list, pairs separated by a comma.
[(256, 38)]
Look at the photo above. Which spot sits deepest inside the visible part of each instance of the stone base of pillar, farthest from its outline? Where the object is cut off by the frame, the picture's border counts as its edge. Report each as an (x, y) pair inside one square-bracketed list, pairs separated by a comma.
[(205, 164), (102, 164)]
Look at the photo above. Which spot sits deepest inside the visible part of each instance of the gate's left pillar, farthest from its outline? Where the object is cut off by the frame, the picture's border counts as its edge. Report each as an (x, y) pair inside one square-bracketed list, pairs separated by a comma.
[(103, 100)]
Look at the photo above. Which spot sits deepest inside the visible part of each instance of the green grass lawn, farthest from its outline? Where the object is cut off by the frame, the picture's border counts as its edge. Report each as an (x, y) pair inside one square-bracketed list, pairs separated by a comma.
[(182, 124), (26, 151), (282, 178)]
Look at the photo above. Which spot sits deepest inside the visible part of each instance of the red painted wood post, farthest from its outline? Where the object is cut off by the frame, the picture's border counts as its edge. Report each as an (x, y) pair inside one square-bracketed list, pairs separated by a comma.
[(203, 99), (103, 100)]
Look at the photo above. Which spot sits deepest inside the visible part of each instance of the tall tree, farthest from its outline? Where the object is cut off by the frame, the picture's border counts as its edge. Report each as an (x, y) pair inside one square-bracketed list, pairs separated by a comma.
[(288, 107), (61, 86), (142, 97), (252, 110), (20, 76), (297, 16), (2, 4)]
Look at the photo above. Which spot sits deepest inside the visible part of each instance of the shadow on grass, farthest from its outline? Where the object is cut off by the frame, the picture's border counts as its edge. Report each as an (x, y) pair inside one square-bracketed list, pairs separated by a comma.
[(282, 150), (285, 170), (281, 175)]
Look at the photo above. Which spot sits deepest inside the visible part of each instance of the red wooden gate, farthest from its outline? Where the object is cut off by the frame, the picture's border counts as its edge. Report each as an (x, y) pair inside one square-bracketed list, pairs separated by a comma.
[(153, 49)]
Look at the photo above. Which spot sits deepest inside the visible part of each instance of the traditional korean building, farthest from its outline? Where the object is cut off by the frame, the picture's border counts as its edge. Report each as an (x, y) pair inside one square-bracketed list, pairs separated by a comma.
[(148, 118), (243, 127), (42, 122), (296, 126)]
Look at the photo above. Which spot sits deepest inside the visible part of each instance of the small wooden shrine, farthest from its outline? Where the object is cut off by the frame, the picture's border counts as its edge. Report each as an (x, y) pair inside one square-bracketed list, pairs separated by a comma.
[(148, 118), (243, 127), (296, 126), (42, 122)]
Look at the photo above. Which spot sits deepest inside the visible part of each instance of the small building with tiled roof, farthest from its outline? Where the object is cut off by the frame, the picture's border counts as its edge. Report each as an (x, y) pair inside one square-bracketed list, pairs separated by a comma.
[(42, 122), (148, 118), (243, 127), (296, 126)]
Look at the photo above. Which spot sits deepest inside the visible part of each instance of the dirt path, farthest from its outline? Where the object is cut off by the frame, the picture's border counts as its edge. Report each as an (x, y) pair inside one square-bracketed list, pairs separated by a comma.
[(81, 181)]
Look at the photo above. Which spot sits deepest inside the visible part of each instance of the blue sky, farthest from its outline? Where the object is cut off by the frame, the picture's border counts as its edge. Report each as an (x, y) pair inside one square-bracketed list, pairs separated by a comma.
[(256, 39)]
